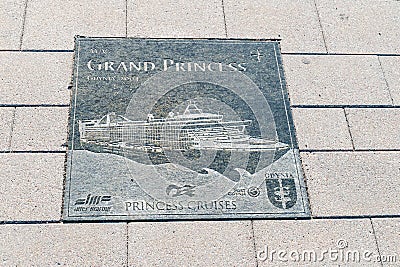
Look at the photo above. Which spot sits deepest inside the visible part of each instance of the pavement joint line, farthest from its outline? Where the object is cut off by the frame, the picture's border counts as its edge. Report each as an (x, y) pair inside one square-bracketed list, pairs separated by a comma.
[(38, 50), (98, 221), (387, 84), (356, 217), (12, 129), (348, 150), (348, 128), (127, 244), (376, 240), (310, 208), (126, 18), (320, 25), (58, 222), (278, 40), (224, 15), (254, 241), (34, 105), (33, 151), (336, 218), (23, 24), (64, 187), (339, 54), (345, 106), (272, 39), (29, 222)]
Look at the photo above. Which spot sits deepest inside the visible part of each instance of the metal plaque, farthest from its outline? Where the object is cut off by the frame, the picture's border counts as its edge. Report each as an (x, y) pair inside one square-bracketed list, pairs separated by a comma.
[(165, 129)]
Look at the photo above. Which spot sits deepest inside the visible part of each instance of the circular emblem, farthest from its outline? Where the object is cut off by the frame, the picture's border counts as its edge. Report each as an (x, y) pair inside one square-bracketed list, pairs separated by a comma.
[(253, 191)]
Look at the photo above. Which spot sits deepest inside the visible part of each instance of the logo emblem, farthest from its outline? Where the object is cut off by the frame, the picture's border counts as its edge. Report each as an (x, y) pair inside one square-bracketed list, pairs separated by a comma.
[(282, 192), (175, 191), (92, 200), (253, 191)]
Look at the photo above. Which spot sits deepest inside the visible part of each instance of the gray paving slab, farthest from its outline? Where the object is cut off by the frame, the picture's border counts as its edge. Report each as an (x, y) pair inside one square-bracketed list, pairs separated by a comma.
[(375, 128), (388, 239), (315, 243), (335, 80), (31, 187), (391, 69), (321, 128), (11, 17), (175, 18), (63, 245), (360, 26), (40, 129), (353, 183), (228, 243), (22, 83), (53, 26), (6, 119), (295, 22)]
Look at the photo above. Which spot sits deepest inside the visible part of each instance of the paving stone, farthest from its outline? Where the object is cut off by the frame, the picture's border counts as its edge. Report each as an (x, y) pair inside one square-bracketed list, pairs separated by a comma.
[(335, 80), (6, 119), (175, 18), (228, 243), (315, 243), (53, 26), (63, 245), (391, 69), (321, 128), (360, 26), (11, 17), (40, 129), (277, 19), (388, 238), (375, 128), (31, 187), (22, 83), (353, 183)]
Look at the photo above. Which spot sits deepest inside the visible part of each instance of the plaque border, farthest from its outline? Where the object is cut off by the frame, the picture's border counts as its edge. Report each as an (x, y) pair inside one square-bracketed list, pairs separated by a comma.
[(66, 217)]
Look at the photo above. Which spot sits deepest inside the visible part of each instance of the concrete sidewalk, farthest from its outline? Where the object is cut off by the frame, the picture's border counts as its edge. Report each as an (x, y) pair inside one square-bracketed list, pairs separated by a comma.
[(342, 65)]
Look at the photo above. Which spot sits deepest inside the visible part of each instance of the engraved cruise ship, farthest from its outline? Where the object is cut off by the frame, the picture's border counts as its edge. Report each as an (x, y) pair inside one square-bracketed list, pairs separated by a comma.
[(194, 129)]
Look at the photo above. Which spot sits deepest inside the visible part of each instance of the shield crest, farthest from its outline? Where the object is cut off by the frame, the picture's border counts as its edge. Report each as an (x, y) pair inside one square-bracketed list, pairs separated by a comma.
[(281, 192)]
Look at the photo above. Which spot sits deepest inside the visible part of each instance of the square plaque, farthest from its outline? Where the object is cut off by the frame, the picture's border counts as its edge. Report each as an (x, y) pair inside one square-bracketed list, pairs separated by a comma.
[(165, 129)]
